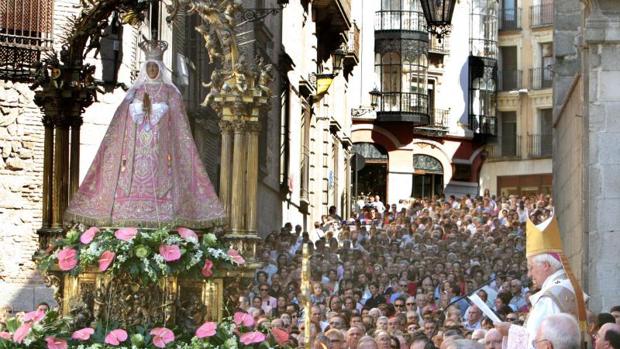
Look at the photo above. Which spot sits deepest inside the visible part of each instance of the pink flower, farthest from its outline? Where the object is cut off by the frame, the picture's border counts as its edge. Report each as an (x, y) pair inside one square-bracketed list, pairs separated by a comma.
[(88, 235), (207, 269), (236, 257), (162, 336), (105, 260), (56, 343), (34, 316), (5, 335), (83, 334), (280, 335), (206, 330), (245, 319), (170, 253), (67, 259), (115, 337), (126, 234), (22, 332), (187, 234), (252, 337)]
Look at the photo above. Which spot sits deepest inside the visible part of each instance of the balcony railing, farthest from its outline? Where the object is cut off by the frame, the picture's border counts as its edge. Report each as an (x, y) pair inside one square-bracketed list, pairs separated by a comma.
[(510, 79), (485, 125), (541, 78), (510, 19), (404, 102), (505, 148), (483, 48), (25, 32), (400, 20), (541, 15), (540, 145), (440, 118)]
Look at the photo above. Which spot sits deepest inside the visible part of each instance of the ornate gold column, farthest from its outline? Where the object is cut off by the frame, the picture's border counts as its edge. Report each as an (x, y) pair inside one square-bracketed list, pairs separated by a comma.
[(48, 172), (225, 165), (238, 199), (74, 160), (251, 178), (60, 189)]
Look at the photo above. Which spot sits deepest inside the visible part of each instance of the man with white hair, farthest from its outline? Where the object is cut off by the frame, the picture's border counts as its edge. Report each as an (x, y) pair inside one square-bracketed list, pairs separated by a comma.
[(545, 268), (493, 339), (558, 331)]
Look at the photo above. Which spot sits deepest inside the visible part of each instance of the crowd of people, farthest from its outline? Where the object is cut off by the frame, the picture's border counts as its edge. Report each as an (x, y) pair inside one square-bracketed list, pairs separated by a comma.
[(398, 276)]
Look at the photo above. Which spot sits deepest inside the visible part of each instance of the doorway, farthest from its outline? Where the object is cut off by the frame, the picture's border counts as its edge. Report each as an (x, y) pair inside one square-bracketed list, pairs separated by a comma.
[(427, 176), (371, 178)]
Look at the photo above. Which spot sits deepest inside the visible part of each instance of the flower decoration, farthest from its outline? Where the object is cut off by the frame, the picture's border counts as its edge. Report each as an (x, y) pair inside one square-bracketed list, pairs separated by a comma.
[(162, 336), (88, 236), (126, 234), (56, 343), (252, 337), (245, 319), (280, 335), (5, 335), (207, 269), (206, 330), (83, 334), (67, 259), (21, 333), (116, 337), (146, 255), (105, 260), (34, 316), (187, 234), (170, 253), (236, 257)]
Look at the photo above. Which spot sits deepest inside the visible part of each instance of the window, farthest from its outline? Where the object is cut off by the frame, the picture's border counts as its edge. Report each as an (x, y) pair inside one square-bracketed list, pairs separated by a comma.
[(483, 28), (483, 104), (25, 31), (509, 133), (510, 76)]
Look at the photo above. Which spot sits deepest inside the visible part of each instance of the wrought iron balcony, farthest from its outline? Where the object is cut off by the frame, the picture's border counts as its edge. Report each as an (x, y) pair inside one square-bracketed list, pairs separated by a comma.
[(541, 15), (510, 19), (510, 79), (540, 145), (541, 78), (25, 33), (400, 20), (506, 148), (483, 125), (435, 46), (438, 125), (403, 106), (352, 54)]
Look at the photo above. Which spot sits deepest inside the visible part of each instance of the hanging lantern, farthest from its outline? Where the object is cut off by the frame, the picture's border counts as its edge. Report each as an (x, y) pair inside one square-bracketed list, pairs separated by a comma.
[(438, 15)]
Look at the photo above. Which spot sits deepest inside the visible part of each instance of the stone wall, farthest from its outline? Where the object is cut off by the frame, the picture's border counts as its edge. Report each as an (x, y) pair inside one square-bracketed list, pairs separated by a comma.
[(21, 171), (601, 42)]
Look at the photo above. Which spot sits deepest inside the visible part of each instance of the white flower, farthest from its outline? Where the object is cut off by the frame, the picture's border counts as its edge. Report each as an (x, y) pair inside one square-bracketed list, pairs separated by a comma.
[(231, 343)]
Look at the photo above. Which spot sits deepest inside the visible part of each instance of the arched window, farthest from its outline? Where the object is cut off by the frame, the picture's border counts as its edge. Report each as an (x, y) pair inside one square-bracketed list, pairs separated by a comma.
[(427, 164), (370, 151)]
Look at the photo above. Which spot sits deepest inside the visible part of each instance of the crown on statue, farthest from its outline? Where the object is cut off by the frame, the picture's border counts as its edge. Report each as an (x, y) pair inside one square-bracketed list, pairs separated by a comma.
[(543, 238), (154, 49)]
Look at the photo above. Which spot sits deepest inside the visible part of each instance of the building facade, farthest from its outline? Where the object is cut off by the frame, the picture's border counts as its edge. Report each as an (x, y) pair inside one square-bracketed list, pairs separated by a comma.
[(586, 151), (436, 100), (518, 159), (315, 136)]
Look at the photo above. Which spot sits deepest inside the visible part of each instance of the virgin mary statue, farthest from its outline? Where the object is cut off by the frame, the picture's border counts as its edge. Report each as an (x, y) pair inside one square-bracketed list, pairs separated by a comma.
[(147, 171)]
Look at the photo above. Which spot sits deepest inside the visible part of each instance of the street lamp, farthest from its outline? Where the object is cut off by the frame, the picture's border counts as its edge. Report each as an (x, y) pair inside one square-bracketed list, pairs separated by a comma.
[(337, 58), (438, 15), (374, 97), (374, 101)]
